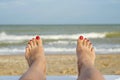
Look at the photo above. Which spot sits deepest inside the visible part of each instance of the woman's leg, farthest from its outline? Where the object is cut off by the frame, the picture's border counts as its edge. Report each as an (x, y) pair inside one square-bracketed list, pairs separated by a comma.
[(36, 61), (86, 57)]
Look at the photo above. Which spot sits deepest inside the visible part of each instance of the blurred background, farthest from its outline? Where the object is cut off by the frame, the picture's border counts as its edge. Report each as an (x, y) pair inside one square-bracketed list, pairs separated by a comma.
[(59, 23)]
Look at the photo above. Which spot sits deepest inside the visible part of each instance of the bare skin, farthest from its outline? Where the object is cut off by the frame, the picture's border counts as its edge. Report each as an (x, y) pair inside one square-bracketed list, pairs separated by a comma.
[(36, 60), (86, 58)]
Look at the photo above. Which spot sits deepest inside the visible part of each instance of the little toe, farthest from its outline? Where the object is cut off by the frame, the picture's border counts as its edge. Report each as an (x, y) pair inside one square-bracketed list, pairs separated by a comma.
[(29, 47), (26, 53), (92, 50)]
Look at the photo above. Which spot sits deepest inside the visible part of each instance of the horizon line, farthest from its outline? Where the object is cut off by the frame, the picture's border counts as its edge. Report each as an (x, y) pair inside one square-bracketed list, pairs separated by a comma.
[(58, 24)]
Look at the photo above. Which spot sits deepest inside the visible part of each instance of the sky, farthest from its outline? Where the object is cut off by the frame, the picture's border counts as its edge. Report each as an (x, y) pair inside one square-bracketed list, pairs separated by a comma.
[(59, 11)]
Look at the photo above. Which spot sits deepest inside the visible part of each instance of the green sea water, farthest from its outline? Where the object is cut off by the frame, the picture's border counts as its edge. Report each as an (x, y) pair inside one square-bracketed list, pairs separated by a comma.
[(59, 38)]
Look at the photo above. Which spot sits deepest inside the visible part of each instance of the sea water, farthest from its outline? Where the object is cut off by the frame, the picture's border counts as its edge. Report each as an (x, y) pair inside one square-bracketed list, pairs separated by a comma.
[(59, 39)]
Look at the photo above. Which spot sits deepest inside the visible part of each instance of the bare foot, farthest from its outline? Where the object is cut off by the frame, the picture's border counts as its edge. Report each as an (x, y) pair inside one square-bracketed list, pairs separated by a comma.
[(35, 53), (85, 52)]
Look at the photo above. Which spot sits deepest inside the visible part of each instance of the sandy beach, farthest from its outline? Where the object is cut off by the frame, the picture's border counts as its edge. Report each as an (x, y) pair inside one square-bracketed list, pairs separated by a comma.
[(59, 64)]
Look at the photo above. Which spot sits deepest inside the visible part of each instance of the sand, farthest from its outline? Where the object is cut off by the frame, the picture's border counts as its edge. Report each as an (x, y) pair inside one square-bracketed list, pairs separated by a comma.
[(59, 64)]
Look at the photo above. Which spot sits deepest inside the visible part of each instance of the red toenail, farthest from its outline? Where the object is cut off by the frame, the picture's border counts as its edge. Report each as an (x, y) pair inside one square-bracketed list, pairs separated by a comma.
[(30, 40), (37, 37), (81, 37), (87, 40)]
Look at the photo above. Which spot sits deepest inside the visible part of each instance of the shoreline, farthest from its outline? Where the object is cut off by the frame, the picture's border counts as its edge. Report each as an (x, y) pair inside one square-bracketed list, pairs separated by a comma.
[(59, 64)]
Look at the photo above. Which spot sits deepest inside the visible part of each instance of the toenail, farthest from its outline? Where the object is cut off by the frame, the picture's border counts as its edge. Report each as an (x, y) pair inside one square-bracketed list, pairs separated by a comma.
[(90, 43), (87, 40), (81, 37), (37, 37)]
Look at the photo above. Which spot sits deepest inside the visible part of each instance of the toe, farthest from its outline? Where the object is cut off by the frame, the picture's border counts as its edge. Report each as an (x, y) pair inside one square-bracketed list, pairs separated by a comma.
[(84, 42), (87, 43), (29, 41), (90, 46), (38, 41), (80, 41), (92, 50), (27, 50), (29, 47), (26, 53), (31, 44), (34, 42)]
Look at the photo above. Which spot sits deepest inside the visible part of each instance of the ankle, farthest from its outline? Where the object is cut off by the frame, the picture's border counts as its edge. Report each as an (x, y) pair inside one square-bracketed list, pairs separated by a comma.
[(85, 63)]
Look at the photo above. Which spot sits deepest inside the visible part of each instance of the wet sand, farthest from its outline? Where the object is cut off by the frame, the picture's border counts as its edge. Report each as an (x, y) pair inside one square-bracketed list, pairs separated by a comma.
[(59, 64)]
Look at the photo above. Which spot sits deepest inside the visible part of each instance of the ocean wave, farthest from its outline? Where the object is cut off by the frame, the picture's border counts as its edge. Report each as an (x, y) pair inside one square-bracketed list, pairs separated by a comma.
[(113, 34), (74, 36), (109, 50), (52, 50), (8, 51), (62, 42), (73, 50), (5, 36), (11, 42)]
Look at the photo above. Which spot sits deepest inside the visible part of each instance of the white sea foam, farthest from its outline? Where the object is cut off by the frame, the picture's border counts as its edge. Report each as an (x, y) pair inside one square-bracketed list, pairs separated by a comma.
[(8, 37), (109, 50), (11, 50), (54, 49), (5, 51), (65, 43), (62, 42), (74, 36)]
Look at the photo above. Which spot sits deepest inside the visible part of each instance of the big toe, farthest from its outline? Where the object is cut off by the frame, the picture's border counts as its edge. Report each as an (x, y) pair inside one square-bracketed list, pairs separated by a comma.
[(38, 41), (80, 41)]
